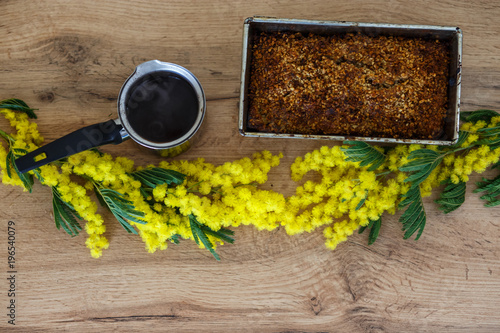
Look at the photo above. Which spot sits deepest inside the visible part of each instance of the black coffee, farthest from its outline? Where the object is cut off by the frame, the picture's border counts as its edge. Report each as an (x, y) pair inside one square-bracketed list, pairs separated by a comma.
[(161, 107)]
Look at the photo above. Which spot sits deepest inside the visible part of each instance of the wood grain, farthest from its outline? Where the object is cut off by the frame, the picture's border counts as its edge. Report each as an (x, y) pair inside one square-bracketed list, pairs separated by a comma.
[(69, 60)]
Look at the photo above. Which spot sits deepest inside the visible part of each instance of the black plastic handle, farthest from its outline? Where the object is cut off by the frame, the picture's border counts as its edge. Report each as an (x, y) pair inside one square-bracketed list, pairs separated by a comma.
[(85, 138)]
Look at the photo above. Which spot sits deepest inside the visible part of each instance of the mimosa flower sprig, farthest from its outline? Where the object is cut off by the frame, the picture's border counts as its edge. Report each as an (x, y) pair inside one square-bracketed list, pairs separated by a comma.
[(196, 200), (478, 147)]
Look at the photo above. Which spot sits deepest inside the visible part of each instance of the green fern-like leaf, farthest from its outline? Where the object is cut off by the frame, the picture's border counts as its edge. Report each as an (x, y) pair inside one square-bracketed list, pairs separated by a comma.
[(421, 163), (123, 209), (489, 131), (492, 189), (18, 105), (201, 232), (361, 203), (6, 137), (9, 163), (175, 239), (452, 197), (462, 137), (158, 176), (482, 114), (374, 226), (65, 215), (493, 142), (414, 216), (360, 151), (26, 178)]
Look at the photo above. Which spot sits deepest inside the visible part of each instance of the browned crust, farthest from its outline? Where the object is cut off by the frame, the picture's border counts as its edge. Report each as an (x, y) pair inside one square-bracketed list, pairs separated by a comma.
[(351, 84)]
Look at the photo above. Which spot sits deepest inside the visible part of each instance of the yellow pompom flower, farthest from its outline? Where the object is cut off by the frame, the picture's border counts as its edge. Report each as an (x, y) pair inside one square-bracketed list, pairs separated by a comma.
[(343, 198)]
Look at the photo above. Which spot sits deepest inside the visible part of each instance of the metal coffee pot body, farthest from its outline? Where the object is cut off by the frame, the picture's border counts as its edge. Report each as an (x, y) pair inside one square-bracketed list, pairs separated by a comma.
[(161, 106)]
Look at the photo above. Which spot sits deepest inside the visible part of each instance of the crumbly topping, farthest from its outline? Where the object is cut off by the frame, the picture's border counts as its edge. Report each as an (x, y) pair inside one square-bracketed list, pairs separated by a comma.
[(351, 84)]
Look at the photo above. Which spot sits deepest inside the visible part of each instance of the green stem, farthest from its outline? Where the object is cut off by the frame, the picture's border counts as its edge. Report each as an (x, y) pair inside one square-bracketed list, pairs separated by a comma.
[(190, 187), (7, 137), (376, 175), (457, 150), (383, 173), (215, 190)]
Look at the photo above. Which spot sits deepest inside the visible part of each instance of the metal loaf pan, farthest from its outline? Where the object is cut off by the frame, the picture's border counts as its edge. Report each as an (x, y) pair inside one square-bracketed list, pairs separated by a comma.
[(256, 25)]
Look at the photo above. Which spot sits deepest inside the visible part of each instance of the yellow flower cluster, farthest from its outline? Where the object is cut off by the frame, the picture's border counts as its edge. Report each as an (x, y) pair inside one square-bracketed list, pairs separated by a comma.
[(77, 196), (26, 137), (337, 195), (218, 196), (458, 168), (226, 195), (346, 191), (460, 163)]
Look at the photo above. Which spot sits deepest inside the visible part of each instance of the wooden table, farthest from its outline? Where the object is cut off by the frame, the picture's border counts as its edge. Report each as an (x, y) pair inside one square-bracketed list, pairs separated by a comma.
[(69, 60)]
